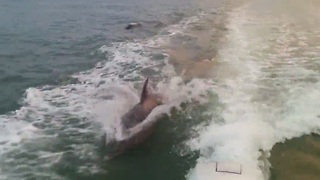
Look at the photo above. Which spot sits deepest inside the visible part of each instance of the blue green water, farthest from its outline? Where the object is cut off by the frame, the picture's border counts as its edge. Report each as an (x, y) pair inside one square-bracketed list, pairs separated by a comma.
[(42, 41)]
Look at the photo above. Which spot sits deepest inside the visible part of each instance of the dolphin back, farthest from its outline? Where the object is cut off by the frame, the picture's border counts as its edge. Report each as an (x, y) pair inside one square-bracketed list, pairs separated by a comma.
[(135, 116)]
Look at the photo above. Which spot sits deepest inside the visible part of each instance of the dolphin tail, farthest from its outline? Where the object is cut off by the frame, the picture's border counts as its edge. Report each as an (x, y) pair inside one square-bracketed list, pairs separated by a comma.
[(144, 93)]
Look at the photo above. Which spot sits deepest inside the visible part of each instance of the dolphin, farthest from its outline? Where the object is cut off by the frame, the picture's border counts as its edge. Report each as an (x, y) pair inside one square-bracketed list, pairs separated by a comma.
[(135, 116), (132, 25)]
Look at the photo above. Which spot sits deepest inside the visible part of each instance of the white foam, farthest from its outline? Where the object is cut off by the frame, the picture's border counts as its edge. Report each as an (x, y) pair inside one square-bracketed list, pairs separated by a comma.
[(240, 137), (268, 98), (302, 115)]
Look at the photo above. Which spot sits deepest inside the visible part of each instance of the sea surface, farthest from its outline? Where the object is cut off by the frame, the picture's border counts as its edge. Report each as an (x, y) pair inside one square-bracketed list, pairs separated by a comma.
[(241, 81)]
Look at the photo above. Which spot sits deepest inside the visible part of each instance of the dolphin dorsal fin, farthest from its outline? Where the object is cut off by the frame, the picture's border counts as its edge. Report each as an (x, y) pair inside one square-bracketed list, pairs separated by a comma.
[(144, 93)]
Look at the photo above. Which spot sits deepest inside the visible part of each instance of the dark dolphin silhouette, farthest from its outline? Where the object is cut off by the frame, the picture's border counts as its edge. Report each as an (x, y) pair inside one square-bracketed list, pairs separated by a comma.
[(132, 25), (134, 117)]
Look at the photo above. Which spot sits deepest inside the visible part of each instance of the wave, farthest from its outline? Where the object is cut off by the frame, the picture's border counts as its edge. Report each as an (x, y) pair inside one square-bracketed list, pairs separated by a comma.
[(59, 127)]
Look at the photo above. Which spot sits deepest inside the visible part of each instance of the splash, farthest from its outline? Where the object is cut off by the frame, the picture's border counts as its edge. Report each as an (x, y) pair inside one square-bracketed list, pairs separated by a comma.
[(270, 96)]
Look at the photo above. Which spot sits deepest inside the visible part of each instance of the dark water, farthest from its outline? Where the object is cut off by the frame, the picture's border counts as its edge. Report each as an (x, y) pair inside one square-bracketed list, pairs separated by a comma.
[(298, 158), (43, 41)]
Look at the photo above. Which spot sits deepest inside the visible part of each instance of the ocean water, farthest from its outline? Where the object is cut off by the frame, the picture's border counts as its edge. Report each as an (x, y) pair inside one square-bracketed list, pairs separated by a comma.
[(42, 41), (68, 70), (239, 79)]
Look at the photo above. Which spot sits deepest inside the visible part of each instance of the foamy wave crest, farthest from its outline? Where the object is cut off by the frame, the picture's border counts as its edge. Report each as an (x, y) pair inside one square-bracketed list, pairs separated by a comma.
[(301, 114)]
